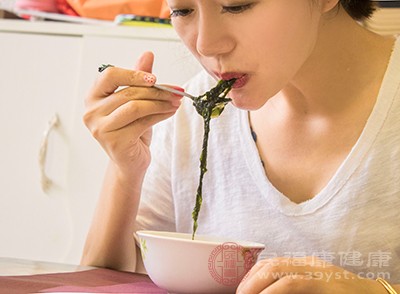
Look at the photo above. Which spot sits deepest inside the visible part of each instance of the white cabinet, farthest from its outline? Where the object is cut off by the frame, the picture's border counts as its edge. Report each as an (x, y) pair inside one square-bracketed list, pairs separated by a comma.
[(38, 80), (47, 69)]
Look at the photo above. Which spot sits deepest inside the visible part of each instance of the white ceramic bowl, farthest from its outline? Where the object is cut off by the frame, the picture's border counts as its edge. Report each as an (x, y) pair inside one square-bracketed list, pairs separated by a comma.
[(179, 264)]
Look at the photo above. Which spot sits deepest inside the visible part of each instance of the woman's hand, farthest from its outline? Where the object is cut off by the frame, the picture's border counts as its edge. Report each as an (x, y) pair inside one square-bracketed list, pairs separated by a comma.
[(304, 275), (121, 120)]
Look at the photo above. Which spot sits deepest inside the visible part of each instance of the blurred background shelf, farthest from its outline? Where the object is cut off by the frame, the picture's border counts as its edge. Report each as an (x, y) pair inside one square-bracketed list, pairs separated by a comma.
[(75, 29)]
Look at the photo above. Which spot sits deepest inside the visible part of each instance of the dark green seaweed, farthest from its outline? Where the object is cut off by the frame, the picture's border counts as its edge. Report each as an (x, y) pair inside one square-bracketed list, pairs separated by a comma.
[(209, 105)]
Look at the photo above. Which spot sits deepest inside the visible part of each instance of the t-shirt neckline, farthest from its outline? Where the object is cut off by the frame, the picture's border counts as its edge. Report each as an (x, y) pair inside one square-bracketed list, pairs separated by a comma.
[(374, 124)]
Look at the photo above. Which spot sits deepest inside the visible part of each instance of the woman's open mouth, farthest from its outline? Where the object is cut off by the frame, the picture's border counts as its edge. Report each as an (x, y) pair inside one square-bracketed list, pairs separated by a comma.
[(241, 79)]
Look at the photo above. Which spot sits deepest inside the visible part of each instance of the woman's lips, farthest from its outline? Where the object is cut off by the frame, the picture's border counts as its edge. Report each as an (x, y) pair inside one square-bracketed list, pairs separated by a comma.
[(241, 82), (241, 79)]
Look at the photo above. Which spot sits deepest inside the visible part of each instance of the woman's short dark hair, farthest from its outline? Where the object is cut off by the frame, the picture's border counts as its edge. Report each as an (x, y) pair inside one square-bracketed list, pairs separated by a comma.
[(358, 9)]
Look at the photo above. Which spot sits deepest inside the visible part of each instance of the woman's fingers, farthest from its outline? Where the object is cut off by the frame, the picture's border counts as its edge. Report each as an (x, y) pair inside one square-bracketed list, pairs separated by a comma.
[(135, 110), (128, 136), (255, 270), (115, 100), (145, 62), (267, 272), (263, 273), (294, 284), (114, 77), (122, 107), (142, 125)]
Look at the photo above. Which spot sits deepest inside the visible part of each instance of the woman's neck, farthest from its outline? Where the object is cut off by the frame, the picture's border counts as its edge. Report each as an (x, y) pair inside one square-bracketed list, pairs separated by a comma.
[(347, 64)]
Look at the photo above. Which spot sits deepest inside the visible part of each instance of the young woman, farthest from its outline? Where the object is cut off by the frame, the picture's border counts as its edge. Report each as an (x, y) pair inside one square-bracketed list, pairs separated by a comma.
[(306, 158)]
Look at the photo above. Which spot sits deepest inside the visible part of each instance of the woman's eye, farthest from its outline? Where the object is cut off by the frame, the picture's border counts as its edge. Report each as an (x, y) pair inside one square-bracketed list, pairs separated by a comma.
[(236, 9), (180, 12)]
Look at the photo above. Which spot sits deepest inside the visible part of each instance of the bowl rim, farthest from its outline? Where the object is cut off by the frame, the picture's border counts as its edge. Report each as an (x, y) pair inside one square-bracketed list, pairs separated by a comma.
[(218, 240)]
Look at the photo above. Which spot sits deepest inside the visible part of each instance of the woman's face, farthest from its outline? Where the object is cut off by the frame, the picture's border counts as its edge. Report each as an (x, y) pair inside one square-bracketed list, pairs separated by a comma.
[(263, 43)]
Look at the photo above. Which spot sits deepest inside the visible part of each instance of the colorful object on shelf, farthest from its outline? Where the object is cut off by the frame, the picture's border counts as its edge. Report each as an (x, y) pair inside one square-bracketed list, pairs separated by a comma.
[(41, 5), (136, 20), (109, 9), (64, 8), (48, 6)]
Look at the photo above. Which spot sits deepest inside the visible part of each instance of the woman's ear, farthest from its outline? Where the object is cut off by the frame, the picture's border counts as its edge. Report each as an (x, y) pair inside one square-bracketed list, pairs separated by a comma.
[(328, 5)]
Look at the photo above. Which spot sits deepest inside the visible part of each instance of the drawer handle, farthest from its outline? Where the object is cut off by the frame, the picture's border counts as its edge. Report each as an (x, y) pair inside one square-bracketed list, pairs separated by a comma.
[(45, 181)]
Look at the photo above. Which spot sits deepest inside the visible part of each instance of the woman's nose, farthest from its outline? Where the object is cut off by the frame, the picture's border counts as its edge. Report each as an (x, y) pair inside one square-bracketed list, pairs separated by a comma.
[(214, 38)]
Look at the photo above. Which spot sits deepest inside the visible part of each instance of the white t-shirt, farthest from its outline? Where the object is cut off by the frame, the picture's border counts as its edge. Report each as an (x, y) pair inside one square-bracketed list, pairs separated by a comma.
[(354, 222)]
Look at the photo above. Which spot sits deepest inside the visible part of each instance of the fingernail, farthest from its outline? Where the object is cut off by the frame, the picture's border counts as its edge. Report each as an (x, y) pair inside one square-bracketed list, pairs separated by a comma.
[(178, 89), (149, 78)]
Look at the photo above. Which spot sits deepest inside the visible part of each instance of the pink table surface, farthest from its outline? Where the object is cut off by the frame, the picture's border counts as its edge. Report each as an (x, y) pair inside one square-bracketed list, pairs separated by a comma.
[(96, 280)]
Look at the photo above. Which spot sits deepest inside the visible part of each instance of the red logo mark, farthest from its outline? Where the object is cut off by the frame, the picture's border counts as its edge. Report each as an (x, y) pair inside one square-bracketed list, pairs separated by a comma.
[(229, 263)]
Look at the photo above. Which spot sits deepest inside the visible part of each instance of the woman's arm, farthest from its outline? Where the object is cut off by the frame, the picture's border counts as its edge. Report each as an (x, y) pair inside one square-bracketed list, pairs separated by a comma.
[(110, 242), (121, 120)]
